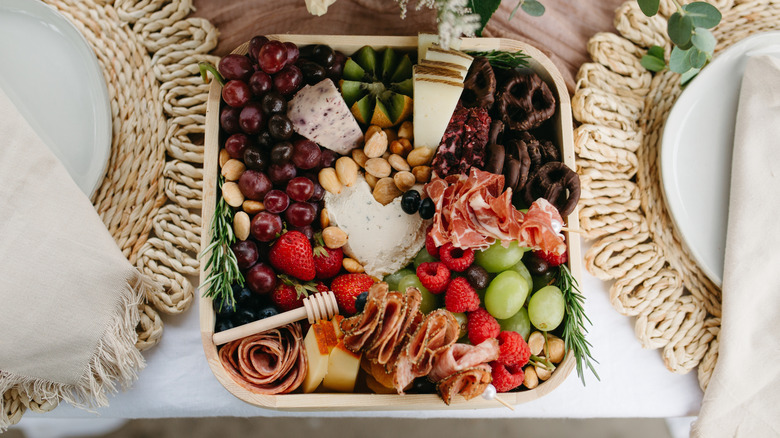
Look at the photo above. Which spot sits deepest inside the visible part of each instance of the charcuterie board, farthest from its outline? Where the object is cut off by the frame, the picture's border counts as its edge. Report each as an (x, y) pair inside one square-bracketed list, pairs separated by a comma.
[(562, 135)]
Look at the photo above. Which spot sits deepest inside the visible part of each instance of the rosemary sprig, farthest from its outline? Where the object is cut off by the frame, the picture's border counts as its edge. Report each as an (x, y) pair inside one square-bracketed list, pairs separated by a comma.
[(221, 264), (505, 60), (574, 325)]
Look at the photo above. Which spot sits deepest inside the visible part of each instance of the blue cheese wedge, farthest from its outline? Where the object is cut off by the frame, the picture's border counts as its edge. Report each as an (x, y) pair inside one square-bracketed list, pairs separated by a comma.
[(382, 238), (319, 113)]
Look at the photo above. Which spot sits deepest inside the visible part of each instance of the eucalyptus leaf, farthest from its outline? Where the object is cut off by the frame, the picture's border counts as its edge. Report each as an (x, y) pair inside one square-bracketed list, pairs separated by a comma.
[(703, 40), (680, 28), (686, 46), (679, 61), (656, 52), (652, 63), (649, 7), (533, 8), (485, 9), (688, 75), (697, 58), (703, 14)]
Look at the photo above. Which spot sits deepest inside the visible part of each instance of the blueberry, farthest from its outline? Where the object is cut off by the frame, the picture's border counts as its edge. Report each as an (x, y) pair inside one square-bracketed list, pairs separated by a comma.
[(410, 202), (267, 312), (360, 301), (224, 309), (246, 298), (243, 316), (223, 324), (422, 385), (427, 208)]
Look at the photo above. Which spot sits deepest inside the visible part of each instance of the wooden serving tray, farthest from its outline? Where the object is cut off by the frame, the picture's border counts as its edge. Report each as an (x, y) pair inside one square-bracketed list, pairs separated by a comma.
[(366, 401)]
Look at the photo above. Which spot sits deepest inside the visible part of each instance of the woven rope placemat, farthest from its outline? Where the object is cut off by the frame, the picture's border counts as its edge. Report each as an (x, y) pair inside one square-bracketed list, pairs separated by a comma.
[(623, 108), (150, 198)]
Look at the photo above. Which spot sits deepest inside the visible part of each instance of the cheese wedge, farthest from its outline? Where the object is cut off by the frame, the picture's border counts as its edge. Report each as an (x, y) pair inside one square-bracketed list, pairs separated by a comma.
[(428, 72), (434, 102), (452, 56), (343, 368), (426, 40), (318, 344), (446, 65)]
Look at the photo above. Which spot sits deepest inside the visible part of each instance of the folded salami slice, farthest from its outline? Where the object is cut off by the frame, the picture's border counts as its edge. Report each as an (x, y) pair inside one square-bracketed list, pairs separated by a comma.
[(469, 383), (386, 347), (272, 362), (437, 331), (359, 329), (462, 356)]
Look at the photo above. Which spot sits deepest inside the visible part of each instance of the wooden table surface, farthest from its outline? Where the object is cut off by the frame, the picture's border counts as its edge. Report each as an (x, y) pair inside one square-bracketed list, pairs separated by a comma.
[(562, 33)]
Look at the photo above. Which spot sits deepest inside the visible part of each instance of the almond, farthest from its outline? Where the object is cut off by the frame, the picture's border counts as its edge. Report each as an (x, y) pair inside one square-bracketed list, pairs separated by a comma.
[(406, 130), (379, 167), (398, 163), (346, 170), (422, 173), (419, 156), (224, 157), (330, 181), (253, 207), (324, 218), (334, 237), (530, 380), (233, 169), (376, 145), (536, 343), (404, 180), (542, 373), (352, 265), (401, 147), (241, 225), (373, 129), (371, 180), (360, 157), (391, 134), (385, 191), (232, 194), (556, 349)]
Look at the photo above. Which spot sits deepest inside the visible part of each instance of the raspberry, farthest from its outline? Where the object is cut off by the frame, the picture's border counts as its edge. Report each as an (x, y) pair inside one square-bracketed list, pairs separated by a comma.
[(456, 259), (514, 349), (460, 296), (434, 276), (430, 245), (506, 378), (552, 259), (481, 326)]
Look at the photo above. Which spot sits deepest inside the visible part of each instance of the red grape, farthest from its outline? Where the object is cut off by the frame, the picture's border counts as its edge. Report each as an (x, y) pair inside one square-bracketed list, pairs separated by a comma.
[(318, 193), (337, 68), (254, 185), (261, 279), (281, 173), (265, 141), (255, 158), (272, 56), (280, 127), (235, 67), (312, 72), (306, 153), (236, 93), (265, 226), (245, 252), (282, 152), (236, 144), (288, 80), (260, 83), (276, 201), (327, 158), (252, 119), (228, 119), (292, 52), (300, 188), (273, 103), (300, 214), (307, 231), (255, 44)]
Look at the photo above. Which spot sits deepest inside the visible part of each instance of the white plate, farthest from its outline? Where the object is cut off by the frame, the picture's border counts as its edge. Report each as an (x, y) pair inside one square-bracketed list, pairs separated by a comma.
[(50, 73), (696, 151)]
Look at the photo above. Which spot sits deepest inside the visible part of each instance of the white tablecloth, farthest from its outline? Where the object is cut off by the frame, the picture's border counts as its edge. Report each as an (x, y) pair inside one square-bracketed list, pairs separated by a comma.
[(177, 381)]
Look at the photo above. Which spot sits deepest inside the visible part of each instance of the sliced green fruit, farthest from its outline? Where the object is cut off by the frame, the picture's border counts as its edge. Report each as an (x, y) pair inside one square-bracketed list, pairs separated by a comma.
[(389, 64), (363, 109), (403, 71), (352, 91), (405, 87), (353, 72), (366, 58)]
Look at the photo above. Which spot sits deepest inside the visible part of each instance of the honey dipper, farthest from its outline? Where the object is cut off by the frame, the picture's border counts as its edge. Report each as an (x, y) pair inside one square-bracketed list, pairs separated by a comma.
[(317, 306)]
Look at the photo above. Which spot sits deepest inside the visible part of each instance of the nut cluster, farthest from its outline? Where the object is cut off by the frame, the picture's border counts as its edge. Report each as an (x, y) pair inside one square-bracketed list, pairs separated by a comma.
[(547, 348)]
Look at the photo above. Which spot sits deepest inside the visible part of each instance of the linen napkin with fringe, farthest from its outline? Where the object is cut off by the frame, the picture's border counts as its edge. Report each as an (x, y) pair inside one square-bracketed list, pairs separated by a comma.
[(68, 297), (743, 397)]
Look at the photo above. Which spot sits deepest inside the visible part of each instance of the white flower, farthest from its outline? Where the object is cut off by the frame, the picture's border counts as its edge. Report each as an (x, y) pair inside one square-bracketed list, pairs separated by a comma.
[(318, 7)]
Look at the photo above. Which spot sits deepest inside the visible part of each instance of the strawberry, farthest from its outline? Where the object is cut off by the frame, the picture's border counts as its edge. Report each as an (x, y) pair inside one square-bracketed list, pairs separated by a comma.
[(327, 261), (322, 287), (292, 254), (347, 287), (289, 294)]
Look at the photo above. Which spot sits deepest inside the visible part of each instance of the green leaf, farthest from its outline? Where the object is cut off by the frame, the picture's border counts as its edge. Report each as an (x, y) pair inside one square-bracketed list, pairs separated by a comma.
[(679, 61), (680, 28), (703, 40), (485, 9), (697, 58), (652, 63), (688, 75), (649, 7), (703, 14), (656, 52), (533, 8)]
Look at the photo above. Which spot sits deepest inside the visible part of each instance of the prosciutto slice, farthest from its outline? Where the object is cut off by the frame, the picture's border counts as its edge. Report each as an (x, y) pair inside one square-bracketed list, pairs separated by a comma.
[(272, 362), (538, 229), (462, 356), (469, 383)]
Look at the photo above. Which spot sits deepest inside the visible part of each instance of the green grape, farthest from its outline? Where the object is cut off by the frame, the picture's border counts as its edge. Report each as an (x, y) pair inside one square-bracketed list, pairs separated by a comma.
[(545, 279), (519, 323), (497, 258), (506, 294), (523, 271), (423, 257), (462, 322), (430, 302), (546, 308), (393, 279)]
